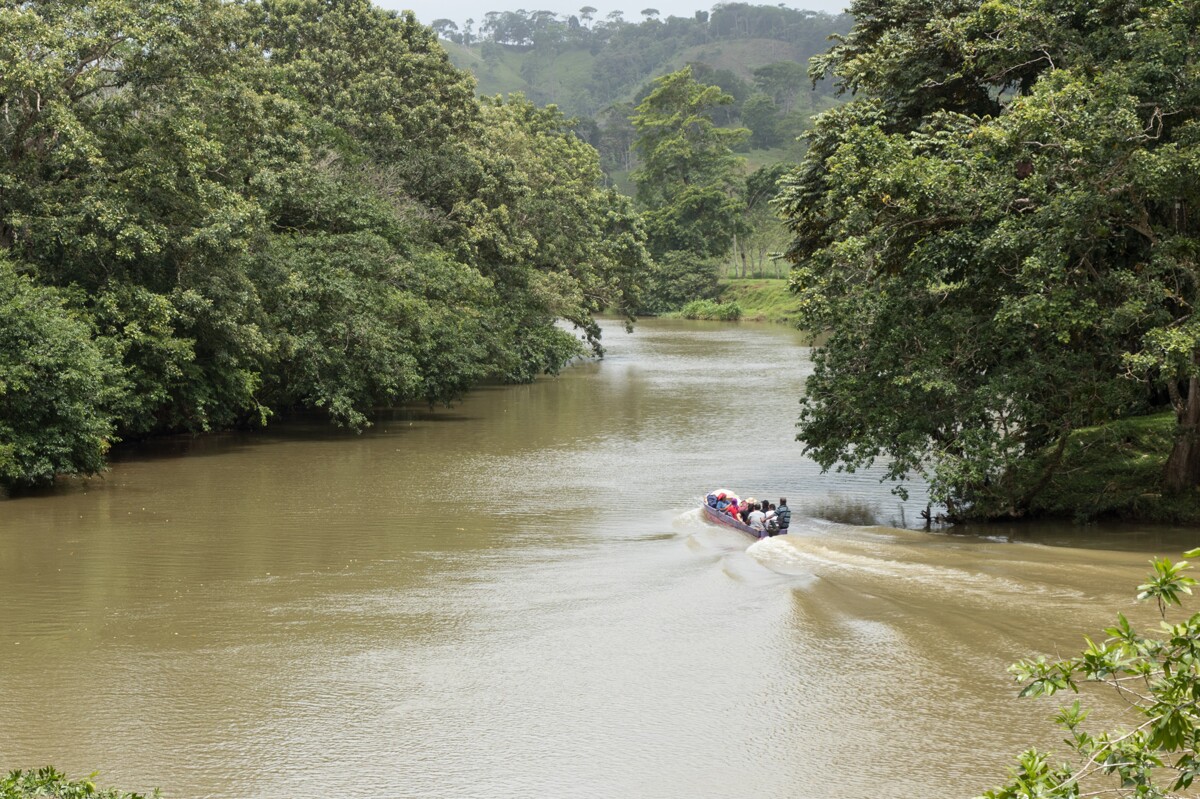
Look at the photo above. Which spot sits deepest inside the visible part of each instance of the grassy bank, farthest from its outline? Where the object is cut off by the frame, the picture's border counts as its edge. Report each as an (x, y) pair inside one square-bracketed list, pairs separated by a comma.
[(1115, 471), (761, 299)]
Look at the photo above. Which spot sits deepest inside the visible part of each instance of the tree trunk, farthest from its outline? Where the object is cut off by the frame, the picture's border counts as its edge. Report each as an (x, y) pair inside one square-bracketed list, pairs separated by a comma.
[(1048, 470), (1183, 465)]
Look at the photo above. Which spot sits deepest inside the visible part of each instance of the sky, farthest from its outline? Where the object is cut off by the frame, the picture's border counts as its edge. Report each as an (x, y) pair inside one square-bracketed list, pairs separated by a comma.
[(459, 10)]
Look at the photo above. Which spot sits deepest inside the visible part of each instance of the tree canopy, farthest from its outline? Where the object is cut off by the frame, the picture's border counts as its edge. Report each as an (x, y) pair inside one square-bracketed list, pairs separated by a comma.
[(999, 234), (689, 174), (689, 185), (215, 212)]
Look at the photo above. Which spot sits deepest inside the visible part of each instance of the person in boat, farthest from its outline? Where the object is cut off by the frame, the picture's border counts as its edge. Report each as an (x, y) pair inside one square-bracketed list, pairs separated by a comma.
[(722, 501), (743, 510), (783, 516), (732, 510), (757, 519)]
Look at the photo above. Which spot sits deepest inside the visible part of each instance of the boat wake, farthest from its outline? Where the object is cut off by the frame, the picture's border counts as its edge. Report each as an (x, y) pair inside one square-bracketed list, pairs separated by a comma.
[(918, 561), (906, 561)]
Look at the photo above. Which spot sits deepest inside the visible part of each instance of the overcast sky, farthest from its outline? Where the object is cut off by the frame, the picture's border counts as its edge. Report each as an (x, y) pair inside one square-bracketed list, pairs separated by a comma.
[(459, 10)]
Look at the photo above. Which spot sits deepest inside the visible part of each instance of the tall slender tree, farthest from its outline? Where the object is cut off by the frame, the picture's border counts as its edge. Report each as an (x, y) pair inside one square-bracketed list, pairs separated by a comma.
[(688, 181)]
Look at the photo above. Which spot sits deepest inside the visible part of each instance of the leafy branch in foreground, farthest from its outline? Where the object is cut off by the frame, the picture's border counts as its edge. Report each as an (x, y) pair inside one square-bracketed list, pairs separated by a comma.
[(1157, 677), (49, 782)]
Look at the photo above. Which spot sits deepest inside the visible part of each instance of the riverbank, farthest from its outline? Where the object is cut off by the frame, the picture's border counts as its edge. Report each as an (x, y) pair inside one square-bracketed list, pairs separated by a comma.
[(761, 299), (1115, 471), (745, 299), (1111, 471)]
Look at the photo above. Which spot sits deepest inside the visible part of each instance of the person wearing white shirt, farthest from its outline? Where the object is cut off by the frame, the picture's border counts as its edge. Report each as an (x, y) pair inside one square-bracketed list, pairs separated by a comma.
[(758, 520)]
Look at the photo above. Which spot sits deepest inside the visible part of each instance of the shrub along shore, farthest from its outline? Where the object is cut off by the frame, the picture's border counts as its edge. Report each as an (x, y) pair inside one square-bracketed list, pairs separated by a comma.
[(747, 300)]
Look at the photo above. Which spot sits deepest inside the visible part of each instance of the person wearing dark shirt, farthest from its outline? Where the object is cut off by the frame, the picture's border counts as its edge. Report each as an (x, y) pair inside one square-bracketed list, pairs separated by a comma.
[(783, 516)]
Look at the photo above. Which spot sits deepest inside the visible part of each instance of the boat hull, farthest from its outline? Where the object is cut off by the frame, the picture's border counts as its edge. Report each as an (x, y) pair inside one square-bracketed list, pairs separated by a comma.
[(726, 520)]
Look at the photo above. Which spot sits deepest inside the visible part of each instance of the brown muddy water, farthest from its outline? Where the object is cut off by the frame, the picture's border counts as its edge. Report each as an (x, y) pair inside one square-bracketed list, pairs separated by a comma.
[(517, 597)]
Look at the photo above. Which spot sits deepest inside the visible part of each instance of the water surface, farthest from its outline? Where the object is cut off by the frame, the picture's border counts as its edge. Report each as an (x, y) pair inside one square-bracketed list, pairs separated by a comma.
[(516, 597)]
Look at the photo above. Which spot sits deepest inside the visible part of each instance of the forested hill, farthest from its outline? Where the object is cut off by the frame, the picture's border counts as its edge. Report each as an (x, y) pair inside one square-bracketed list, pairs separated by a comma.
[(597, 68), (584, 64)]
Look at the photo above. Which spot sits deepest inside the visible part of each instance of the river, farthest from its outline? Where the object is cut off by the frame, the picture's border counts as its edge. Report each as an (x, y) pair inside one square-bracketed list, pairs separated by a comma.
[(516, 597)]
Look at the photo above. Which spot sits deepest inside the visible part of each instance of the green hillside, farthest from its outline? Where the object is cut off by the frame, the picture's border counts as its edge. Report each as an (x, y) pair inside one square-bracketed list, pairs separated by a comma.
[(585, 66), (556, 83), (606, 75), (741, 56), (564, 77)]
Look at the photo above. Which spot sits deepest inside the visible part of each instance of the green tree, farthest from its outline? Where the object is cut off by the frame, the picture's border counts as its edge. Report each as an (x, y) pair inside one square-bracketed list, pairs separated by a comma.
[(997, 234), (617, 137), (135, 146), (761, 115), (766, 237), (56, 386), (355, 326), (447, 29), (782, 81), (1155, 679), (538, 223), (688, 182)]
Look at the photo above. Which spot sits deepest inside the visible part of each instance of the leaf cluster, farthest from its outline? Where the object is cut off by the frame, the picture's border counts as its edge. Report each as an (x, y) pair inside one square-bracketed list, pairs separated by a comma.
[(1155, 677), (53, 784), (690, 185)]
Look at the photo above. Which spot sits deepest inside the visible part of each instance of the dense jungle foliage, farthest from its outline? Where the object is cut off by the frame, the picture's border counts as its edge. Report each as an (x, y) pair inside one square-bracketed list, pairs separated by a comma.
[(1000, 233), (214, 212)]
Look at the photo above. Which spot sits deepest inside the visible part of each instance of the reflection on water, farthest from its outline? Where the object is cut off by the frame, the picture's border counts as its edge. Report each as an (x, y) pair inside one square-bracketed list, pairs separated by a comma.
[(858, 510), (518, 597)]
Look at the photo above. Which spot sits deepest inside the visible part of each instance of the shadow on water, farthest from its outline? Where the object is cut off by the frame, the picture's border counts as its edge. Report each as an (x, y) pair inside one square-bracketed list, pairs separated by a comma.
[(303, 427), (857, 511), (841, 509), (307, 428), (1111, 535)]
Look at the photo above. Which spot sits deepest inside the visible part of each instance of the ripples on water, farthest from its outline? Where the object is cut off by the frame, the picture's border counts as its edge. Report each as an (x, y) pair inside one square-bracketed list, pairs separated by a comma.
[(519, 597)]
